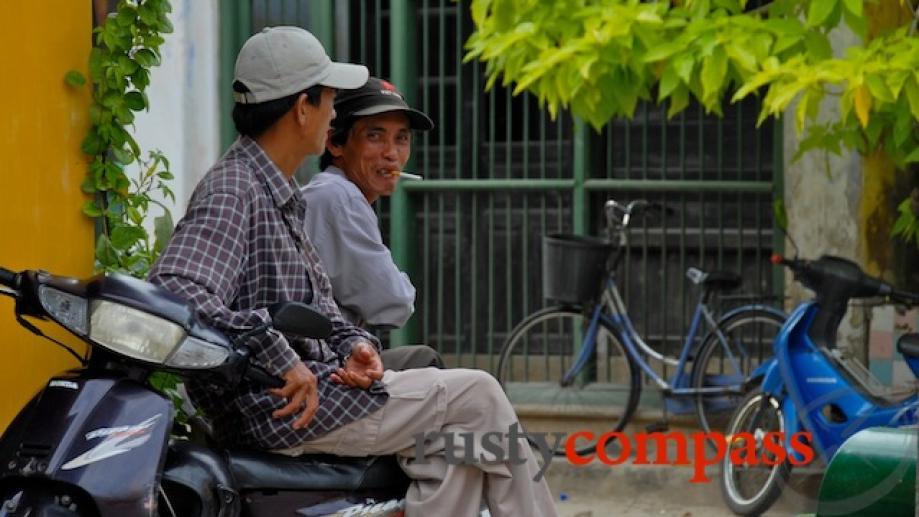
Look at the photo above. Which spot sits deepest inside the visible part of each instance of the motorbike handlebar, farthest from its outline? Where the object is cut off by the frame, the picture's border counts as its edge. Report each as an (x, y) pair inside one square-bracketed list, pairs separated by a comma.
[(261, 376), (9, 278), (904, 297), (826, 274)]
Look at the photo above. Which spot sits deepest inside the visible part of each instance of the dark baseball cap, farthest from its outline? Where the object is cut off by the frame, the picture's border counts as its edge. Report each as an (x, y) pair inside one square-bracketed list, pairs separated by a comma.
[(375, 97)]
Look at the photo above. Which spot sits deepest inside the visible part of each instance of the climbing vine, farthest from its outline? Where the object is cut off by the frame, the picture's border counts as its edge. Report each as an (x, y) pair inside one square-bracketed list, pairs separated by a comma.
[(126, 49)]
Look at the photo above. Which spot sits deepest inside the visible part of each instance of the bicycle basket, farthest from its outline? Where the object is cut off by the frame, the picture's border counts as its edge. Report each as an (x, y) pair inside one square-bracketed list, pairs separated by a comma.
[(573, 267)]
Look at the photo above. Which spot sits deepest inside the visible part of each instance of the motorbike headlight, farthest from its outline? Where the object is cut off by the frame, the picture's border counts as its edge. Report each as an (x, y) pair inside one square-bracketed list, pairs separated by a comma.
[(66, 308), (149, 338), (132, 332)]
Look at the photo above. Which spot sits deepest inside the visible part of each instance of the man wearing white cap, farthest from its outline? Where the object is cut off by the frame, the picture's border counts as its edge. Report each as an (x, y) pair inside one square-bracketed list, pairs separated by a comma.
[(241, 247)]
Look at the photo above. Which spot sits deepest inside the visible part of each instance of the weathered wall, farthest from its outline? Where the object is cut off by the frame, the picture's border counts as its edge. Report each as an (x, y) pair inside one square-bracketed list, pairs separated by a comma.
[(41, 129), (183, 121)]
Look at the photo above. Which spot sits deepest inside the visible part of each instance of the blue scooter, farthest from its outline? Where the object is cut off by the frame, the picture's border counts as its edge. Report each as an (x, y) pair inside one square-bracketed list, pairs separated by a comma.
[(810, 399)]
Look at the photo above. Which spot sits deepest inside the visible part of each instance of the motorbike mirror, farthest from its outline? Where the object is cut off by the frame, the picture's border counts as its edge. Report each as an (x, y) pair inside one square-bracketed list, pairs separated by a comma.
[(300, 319)]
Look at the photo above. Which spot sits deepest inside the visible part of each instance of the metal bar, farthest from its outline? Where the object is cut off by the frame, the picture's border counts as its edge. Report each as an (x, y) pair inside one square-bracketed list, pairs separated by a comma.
[(402, 234), (679, 185), (487, 185), (778, 192), (322, 23), (458, 292), (235, 27), (581, 166)]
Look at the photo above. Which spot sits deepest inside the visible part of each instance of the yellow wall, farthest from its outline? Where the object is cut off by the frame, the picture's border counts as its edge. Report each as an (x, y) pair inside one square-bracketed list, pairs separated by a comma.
[(42, 122)]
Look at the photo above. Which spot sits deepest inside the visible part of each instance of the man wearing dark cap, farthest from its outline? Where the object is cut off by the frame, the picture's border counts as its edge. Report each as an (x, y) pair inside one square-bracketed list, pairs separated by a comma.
[(369, 144)]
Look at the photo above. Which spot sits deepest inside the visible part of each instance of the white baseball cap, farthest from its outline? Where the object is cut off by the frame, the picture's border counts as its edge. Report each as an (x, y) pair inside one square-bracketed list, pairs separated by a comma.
[(282, 61)]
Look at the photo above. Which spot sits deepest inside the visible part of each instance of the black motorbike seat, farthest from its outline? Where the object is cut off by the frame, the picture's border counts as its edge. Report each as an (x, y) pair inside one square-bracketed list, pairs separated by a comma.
[(908, 345), (257, 470)]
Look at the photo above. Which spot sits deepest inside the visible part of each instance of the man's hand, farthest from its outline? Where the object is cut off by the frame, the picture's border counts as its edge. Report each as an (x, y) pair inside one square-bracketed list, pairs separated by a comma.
[(362, 368), (300, 392)]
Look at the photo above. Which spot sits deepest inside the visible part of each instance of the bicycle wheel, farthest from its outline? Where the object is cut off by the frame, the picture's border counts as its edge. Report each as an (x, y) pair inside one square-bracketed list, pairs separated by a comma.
[(747, 343), (543, 347), (752, 489)]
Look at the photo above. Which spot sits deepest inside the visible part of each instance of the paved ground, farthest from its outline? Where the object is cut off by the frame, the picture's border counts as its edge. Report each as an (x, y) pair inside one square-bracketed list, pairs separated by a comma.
[(632, 490)]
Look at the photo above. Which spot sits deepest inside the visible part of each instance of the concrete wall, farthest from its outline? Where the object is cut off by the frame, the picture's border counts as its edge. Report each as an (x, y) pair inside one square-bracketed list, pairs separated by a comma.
[(842, 205), (42, 126), (183, 119), (823, 193)]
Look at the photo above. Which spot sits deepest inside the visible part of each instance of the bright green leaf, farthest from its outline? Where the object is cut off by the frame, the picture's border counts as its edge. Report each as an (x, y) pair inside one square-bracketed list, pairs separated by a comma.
[(878, 88), (854, 6), (818, 46), (714, 70), (819, 11)]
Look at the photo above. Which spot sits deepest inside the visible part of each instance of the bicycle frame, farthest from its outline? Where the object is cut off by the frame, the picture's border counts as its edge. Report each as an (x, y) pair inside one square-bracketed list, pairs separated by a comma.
[(611, 310), (805, 378)]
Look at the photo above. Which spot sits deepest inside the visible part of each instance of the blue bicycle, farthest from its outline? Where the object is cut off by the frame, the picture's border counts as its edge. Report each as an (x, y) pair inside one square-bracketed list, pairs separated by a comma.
[(809, 387), (583, 359)]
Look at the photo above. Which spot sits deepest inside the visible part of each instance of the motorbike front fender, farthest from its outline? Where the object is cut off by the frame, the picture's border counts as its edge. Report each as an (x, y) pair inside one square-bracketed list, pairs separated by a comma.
[(106, 436)]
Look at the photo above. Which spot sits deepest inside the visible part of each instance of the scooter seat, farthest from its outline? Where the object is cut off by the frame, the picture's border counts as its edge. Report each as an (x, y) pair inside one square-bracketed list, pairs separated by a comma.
[(908, 345), (256, 470)]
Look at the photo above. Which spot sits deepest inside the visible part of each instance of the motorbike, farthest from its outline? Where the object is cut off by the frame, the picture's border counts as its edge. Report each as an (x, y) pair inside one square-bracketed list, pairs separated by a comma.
[(99, 440), (809, 388)]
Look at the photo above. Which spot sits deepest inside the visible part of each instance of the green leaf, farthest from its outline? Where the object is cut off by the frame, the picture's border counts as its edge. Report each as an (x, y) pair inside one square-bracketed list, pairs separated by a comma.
[(123, 237), (679, 100), (105, 253), (854, 6), (135, 216), (912, 94), (878, 88), (146, 58), (857, 23), (818, 46), (663, 51), (819, 11), (162, 230), (75, 79), (669, 81), (913, 157), (134, 100), (714, 70), (781, 216), (91, 209), (122, 156)]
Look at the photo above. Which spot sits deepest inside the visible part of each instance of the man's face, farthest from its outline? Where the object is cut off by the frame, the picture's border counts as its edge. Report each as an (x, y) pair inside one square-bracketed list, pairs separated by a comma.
[(319, 119), (377, 146)]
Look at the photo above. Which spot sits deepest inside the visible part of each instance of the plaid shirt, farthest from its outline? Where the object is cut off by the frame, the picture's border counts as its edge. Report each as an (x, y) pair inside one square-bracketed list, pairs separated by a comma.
[(240, 248)]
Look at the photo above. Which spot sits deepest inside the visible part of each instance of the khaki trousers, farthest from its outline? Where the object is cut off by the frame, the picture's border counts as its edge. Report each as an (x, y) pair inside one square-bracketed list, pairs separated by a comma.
[(456, 401)]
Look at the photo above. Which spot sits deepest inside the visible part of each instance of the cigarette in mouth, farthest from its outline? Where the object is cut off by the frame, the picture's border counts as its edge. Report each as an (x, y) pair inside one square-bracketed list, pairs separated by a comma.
[(406, 175)]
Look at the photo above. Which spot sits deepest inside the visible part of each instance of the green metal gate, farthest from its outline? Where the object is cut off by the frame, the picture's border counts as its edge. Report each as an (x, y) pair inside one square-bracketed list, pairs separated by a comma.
[(499, 174)]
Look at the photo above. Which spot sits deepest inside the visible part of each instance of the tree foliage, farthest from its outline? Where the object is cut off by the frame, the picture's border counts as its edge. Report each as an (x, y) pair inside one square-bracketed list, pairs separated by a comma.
[(126, 48), (599, 58)]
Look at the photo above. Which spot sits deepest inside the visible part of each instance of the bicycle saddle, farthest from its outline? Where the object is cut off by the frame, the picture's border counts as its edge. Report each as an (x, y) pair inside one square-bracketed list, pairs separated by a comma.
[(716, 280)]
